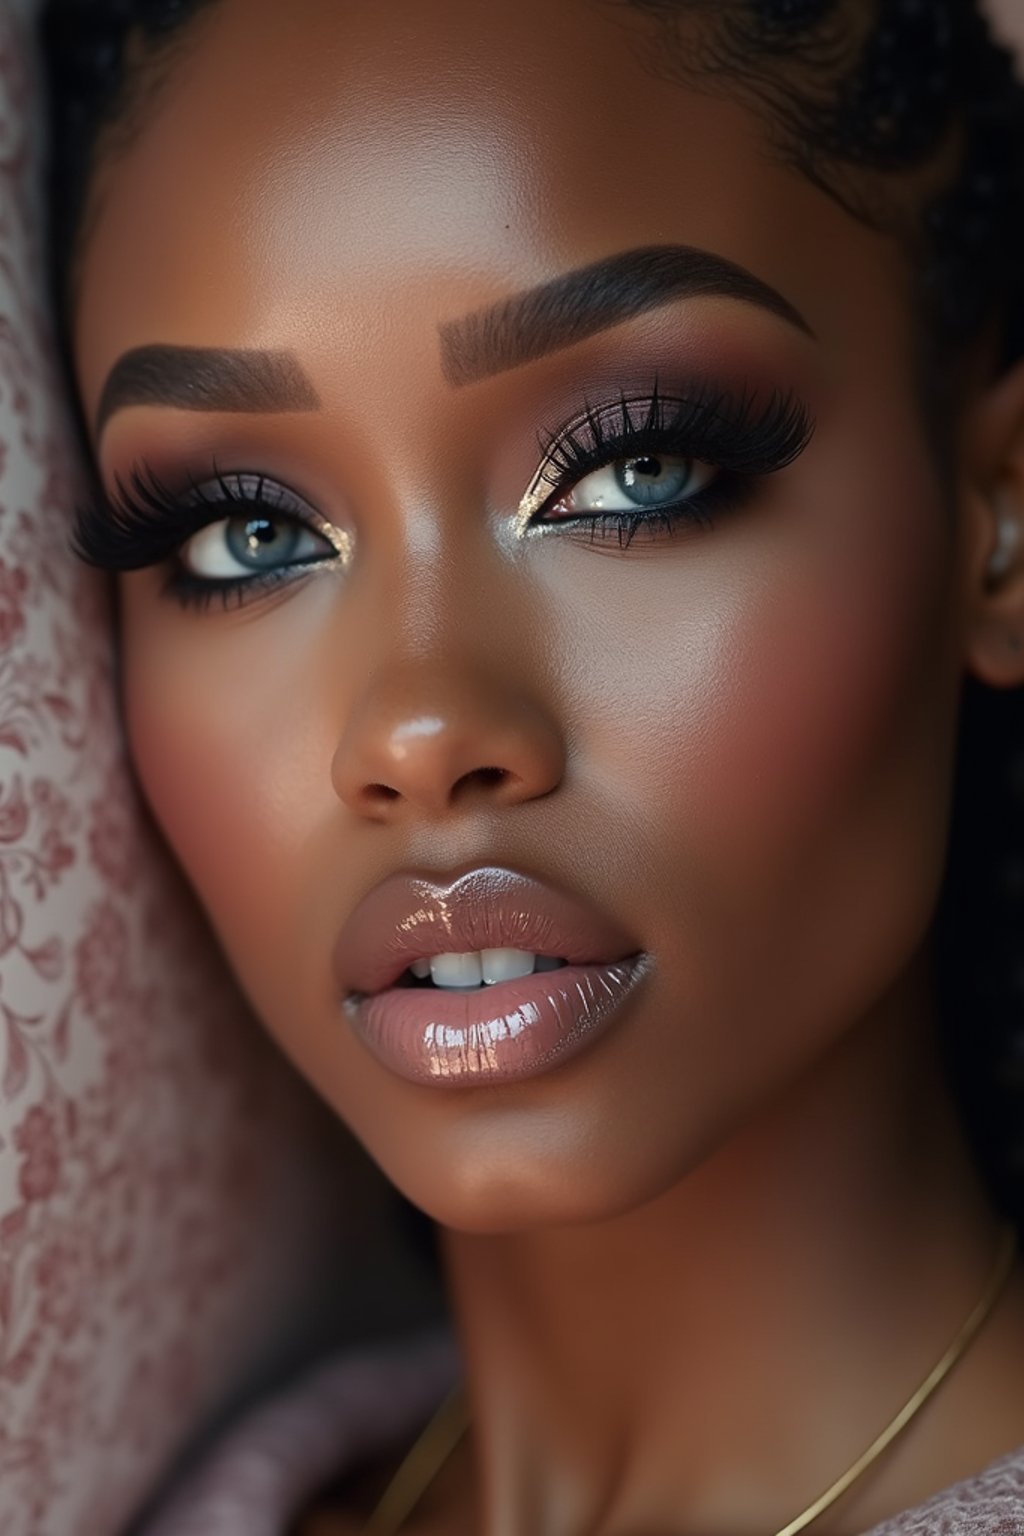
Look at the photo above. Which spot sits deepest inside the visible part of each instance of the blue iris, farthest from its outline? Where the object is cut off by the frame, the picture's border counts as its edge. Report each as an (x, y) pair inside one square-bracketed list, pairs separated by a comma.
[(259, 541), (651, 482)]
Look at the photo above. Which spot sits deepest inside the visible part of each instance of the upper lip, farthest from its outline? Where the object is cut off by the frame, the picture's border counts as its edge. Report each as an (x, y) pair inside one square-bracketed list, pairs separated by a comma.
[(408, 917)]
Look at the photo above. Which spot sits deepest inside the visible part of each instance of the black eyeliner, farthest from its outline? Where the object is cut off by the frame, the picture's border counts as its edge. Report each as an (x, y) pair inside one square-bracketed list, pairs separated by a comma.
[(146, 523), (703, 421)]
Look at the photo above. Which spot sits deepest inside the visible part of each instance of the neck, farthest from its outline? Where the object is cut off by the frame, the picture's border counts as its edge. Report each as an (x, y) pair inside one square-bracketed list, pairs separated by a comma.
[(662, 1370)]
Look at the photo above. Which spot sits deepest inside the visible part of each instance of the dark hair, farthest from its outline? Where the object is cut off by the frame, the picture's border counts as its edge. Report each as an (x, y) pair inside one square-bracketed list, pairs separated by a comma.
[(96, 94), (856, 93), (855, 96)]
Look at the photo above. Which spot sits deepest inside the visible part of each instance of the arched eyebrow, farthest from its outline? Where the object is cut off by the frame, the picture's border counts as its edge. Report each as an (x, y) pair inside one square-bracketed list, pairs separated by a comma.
[(206, 379), (589, 299)]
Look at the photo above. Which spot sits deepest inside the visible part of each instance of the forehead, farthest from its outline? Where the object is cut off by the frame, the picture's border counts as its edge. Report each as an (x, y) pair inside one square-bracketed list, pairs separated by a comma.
[(358, 172)]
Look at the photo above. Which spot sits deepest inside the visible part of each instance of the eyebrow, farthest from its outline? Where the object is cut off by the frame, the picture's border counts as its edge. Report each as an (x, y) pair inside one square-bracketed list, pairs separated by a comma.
[(206, 379), (590, 299)]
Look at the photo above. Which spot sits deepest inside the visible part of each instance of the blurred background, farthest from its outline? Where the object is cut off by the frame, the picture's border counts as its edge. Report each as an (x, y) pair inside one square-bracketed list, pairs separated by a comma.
[(1009, 15)]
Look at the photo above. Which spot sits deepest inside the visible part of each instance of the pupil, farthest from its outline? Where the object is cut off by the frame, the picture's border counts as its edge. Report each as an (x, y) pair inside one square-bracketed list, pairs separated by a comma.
[(647, 467), (250, 538), (649, 482), (260, 532)]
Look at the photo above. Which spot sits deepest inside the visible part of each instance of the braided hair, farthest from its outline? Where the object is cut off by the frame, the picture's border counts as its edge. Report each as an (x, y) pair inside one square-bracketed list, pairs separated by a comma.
[(873, 101)]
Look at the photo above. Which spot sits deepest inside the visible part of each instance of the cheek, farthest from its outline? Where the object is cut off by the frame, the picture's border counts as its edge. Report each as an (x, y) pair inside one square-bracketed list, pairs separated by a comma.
[(230, 732), (837, 723), (822, 685), (783, 724)]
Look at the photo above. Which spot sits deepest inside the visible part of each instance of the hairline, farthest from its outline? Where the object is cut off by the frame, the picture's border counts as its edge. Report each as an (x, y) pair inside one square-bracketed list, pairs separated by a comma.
[(146, 80)]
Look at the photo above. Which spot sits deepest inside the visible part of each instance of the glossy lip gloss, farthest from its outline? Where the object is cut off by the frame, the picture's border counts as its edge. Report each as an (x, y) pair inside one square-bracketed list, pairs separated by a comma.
[(493, 1034)]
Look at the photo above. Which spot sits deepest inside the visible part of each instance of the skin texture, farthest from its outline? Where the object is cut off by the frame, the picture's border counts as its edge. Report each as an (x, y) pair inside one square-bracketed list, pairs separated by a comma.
[(748, 1208)]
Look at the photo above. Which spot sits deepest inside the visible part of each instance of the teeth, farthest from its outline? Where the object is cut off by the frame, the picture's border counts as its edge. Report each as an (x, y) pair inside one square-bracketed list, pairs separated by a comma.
[(482, 967), (505, 964), (456, 970)]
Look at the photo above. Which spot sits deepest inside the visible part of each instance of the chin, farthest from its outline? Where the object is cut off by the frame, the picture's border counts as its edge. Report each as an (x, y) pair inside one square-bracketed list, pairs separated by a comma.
[(532, 1171)]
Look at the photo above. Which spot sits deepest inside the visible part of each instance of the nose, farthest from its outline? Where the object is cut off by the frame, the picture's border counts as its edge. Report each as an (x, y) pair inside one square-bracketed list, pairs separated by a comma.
[(426, 744)]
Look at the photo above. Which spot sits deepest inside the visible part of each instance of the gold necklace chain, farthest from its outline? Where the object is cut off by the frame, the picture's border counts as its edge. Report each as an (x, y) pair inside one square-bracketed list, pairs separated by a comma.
[(419, 1468), (448, 1425)]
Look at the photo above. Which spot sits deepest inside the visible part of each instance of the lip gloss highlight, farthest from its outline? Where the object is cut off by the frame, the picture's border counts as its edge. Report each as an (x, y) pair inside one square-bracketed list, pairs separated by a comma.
[(500, 1033)]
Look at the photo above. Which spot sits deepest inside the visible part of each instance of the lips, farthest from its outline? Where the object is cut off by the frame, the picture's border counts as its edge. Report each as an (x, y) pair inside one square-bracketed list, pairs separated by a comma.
[(510, 1030)]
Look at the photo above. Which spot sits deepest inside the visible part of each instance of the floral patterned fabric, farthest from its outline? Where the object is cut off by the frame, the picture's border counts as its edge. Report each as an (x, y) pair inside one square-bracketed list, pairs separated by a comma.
[(160, 1184)]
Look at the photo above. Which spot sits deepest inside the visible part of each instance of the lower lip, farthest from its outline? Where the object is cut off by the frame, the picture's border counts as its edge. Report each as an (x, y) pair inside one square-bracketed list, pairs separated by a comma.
[(499, 1034)]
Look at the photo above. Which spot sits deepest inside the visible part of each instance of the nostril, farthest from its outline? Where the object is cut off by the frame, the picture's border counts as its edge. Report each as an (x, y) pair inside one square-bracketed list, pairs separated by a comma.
[(480, 778), (489, 776), (381, 792)]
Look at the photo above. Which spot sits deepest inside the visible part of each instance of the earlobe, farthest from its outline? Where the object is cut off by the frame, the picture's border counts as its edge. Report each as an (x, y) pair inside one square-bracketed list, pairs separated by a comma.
[(995, 617)]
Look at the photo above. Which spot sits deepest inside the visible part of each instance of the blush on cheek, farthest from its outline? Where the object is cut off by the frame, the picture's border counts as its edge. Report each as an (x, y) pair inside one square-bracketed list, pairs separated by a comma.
[(226, 772), (193, 789), (832, 691)]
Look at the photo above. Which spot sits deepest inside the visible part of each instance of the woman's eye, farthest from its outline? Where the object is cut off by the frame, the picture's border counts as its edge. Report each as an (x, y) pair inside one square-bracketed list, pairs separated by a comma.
[(649, 482), (245, 545)]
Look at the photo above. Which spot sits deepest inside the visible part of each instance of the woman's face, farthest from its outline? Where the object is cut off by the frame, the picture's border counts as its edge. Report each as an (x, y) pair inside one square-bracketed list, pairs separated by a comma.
[(699, 702)]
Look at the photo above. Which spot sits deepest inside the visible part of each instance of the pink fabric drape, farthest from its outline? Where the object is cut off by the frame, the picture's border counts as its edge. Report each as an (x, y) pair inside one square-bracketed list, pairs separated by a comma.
[(164, 1194)]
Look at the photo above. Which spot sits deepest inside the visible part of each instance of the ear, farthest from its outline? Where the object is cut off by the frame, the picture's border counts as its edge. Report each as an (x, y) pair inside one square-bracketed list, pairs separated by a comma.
[(992, 508)]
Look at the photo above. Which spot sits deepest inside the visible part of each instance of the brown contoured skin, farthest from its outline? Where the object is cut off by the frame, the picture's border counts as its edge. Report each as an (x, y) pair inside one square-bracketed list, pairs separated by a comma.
[(699, 1265)]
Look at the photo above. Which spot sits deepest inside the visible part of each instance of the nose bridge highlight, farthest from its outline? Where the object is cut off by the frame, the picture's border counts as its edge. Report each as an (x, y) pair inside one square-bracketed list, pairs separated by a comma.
[(428, 738)]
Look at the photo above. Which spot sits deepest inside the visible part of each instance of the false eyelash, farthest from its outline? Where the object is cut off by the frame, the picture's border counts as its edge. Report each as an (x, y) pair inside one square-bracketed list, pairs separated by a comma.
[(144, 523), (731, 432)]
